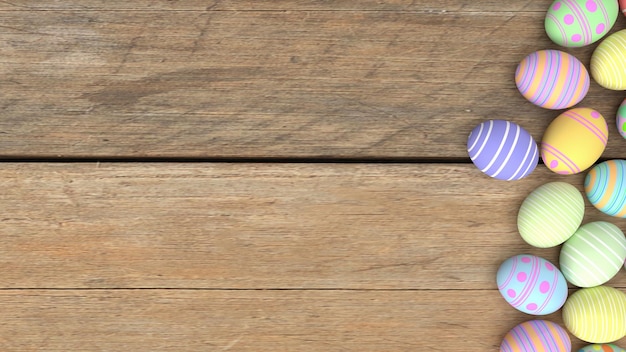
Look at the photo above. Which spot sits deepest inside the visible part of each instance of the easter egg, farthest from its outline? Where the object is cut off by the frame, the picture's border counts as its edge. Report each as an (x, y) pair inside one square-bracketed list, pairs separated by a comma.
[(608, 66), (550, 214), (605, 347), (574, 140), (503, 150), (536, 336), (605, 186), (532, 284), (594, 254), (621, 118), (552, 79), (596, 314), (622, 6), (576, 23)]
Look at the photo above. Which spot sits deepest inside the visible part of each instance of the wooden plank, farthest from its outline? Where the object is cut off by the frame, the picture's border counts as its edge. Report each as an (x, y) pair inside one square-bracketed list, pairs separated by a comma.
[(315, 81), (270, 226), (278, 5), (181, 320)]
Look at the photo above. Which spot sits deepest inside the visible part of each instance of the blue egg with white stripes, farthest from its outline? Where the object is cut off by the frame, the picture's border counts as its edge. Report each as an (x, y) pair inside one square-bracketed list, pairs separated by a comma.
[(503, 150)]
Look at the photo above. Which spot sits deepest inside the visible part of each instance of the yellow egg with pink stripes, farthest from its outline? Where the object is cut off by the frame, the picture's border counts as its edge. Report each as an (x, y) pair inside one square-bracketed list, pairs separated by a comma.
[(574, 141), (552, 79)]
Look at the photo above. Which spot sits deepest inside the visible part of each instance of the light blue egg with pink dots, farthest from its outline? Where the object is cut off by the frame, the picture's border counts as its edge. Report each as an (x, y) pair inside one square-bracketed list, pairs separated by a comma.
[(621, 119), (576, 23), (532, 284)]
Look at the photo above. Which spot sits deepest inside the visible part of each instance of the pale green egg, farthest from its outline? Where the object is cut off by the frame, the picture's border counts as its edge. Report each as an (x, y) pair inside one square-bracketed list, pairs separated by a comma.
[(550, 214)]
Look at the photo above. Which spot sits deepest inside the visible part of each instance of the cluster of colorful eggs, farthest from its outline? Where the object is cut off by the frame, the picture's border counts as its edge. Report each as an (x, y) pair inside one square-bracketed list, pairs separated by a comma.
[(591, 254)]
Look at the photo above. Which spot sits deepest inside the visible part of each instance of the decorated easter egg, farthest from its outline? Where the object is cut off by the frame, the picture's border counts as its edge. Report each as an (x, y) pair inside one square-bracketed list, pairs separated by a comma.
[(536, 336), (622, 6), (576, 23), (621, 118), (608, 67), (503, 150), (594, 254), (596, 314), (605, 347), (574, 140), (552, 79), (550, 214), (605, 186), (532, 284)]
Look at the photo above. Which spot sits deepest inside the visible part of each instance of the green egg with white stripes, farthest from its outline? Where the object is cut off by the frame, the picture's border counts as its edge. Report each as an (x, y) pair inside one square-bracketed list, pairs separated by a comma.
[(593, 255), (550, 214)]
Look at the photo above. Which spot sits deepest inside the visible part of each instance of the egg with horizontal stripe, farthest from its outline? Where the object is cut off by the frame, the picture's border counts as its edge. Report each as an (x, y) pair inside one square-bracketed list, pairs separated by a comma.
[(621, 119), (550, 214), (576, 23), (608, 66), (604, 347), (536, 336), (574, 140), (605, 187), (552, 79), (593, 255), (532, 284), (596, 314), (503, 150)]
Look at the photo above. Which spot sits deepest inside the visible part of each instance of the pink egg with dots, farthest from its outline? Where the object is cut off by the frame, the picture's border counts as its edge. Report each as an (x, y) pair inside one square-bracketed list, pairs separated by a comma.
[(532, 284), (576, 23)]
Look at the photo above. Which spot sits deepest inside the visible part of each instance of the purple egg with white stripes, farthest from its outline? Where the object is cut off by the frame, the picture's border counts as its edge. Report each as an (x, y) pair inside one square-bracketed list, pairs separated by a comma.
[(532, 284), (503, 150), (552, 79)]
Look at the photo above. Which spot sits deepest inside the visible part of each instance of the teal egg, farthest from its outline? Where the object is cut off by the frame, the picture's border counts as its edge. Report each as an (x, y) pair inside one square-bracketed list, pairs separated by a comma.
[(605, 186)]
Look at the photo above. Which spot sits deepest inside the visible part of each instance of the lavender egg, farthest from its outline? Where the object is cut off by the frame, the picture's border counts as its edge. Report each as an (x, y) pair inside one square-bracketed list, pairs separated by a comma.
[(532, 284), (503, 150)]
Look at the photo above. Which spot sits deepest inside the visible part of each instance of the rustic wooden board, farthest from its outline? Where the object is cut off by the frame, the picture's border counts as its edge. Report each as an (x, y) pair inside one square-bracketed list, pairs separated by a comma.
[(200, 320), (258, 256), (250, 79), (250, 226)]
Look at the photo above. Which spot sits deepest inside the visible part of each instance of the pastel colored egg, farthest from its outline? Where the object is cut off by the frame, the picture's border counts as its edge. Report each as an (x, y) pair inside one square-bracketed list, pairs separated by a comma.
[(622, 5), (532, 284), (608, 67), (503, 150), (574, 140), (621, 118), (536, 336), (576, 23), (552, 79), (550, 214), (605, 187), (605, 347), (593, 255), (596, 314)]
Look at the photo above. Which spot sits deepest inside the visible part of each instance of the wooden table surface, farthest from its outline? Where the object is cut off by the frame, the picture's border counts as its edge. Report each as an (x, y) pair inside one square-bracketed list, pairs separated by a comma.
[(253, 175)]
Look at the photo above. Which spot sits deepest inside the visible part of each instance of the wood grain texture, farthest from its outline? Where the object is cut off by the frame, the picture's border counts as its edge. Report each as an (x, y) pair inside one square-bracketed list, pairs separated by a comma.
[(263, 256), (261, 226), (285, 79), (199, 320)]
